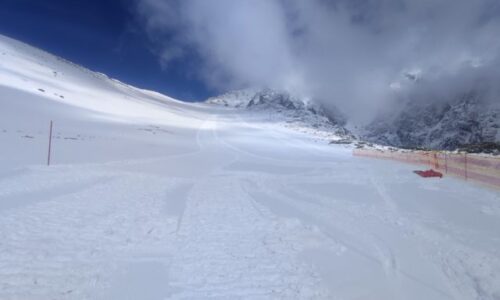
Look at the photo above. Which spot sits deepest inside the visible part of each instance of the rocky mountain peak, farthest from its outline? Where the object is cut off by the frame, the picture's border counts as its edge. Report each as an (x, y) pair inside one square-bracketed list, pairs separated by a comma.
[(292, 109)]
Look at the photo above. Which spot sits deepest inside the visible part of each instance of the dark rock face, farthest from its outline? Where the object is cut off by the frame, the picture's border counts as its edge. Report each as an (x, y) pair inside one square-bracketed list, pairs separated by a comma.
[(274, 99), (442, 125), (270, 99)]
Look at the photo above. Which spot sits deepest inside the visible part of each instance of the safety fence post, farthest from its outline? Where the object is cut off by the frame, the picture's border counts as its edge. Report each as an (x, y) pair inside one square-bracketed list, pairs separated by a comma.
[(465, 164), (50, 144)]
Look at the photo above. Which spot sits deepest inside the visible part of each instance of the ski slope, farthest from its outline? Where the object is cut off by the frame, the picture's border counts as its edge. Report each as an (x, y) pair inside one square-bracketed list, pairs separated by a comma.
[(152, 198)]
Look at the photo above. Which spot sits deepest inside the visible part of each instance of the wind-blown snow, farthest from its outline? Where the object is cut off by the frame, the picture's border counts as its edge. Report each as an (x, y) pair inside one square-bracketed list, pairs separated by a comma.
[(152, 198)]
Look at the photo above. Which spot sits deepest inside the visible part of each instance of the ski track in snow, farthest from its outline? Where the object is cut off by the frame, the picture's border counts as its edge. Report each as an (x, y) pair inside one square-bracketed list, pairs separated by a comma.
[(210, 264), (261, 264)]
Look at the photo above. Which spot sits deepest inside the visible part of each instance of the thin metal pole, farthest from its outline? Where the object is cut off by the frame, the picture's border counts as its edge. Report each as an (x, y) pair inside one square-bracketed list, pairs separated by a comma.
[(465, 163), (50, 144), (446, 162)]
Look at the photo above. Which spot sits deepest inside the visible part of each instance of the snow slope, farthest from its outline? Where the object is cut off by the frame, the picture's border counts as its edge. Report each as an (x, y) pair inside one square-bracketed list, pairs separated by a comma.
[(151, 198), (36, 87)]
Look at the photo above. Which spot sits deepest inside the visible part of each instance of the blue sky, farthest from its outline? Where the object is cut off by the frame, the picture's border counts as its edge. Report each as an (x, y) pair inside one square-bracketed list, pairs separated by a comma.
[(103, 35)]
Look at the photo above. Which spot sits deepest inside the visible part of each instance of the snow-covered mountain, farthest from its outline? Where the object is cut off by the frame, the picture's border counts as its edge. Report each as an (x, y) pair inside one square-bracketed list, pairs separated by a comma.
[(300, 113), (447, 124), (460, 110)]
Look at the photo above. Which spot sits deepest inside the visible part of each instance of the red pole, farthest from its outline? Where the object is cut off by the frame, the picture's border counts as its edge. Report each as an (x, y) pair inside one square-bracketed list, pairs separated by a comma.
[(50, 144)]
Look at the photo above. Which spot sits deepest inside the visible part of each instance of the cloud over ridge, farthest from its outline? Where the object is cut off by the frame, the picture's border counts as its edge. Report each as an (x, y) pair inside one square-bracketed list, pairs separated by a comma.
[(353, 53)]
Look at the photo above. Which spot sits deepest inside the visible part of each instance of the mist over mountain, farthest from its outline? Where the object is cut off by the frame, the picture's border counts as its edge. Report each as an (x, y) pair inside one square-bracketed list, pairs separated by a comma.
[(441, 112), (349, 54), (377, 61)]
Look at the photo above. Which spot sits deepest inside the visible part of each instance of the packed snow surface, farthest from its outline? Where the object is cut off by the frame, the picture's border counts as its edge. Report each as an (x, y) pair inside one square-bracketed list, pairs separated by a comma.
[(151, 198)]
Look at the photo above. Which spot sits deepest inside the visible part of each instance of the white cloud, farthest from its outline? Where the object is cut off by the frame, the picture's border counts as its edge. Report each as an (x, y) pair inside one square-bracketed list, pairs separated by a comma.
[(346, 52)]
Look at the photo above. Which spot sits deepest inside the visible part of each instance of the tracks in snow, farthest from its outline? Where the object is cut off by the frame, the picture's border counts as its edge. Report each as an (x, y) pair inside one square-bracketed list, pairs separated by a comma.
[(228, 249), (68, 246)]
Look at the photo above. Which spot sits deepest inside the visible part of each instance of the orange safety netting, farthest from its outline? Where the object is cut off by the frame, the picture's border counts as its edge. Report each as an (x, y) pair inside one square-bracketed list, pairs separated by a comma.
[(474, 167)]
